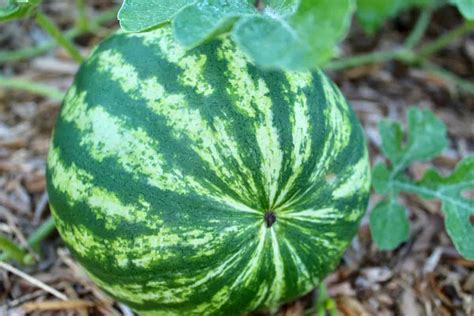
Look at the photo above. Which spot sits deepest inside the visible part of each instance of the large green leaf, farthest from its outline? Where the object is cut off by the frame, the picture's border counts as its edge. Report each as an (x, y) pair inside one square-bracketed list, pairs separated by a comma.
[(426, 138), (15, 9), (466, 7), (303, 40), (140, 15), (389, 224), (199, 21), (457, 208)]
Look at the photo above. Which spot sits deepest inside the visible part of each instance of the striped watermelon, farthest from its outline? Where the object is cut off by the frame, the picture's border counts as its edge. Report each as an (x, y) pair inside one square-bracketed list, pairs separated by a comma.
[(195, 183)]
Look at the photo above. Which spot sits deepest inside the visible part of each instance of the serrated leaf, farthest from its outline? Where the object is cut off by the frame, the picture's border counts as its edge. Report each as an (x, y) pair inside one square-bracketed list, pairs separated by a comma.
[(389, 224), (457, 208), (466, 7), (426, 138), (303, 40), (140, 15), (197, 22), (16, 9)]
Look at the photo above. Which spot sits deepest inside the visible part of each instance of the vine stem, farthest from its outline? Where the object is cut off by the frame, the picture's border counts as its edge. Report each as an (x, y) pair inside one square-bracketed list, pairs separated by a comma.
[(420, 28), (48, 25), (363, 59), (30, 52), (411, 56), (448, 76), (33, 87)]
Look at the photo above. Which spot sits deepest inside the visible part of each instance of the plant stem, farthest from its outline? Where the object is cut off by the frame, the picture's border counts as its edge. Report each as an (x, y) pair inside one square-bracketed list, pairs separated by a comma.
[(13, 251), (363, 59), (29, 86), (448, 76), (45, 229), (444, 40), (48, 25), (419, 29), (30, 52), (82, 18)]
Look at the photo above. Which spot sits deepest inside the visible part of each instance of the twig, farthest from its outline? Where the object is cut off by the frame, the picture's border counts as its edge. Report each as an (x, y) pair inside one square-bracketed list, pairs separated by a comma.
[(29, 86), (56, 305), (35, 51), (32, 280), (48, 25)]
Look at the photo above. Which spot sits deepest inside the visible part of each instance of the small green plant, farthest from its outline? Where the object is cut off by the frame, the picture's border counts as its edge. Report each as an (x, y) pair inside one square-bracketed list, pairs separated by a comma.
[(426, 138)]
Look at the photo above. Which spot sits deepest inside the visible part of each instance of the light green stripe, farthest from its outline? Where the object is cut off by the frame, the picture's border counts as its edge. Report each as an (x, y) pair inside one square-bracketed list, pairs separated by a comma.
[(78, 186), (211, 146)]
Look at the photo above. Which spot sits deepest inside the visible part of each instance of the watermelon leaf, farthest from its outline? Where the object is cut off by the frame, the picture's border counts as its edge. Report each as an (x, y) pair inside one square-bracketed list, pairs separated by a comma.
[(275, 34), (457, 209), (288, 42), (141, 15), (426, 139), (389, 224), (16, 9), (199, 21), (466, 7)]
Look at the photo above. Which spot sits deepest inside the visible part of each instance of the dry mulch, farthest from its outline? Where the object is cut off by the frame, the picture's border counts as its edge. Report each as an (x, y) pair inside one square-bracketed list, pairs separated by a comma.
[(424, 276)]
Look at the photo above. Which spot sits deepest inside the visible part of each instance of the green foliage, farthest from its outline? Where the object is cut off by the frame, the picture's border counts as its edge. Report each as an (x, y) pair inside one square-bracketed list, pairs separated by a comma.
[(16, 9), (280, 34), (9, 249), (371, 14), (325, 305), (289, 42), (426, 139), (466, 7), (456, 208), (204, 19), (140, 15), (389, 224)]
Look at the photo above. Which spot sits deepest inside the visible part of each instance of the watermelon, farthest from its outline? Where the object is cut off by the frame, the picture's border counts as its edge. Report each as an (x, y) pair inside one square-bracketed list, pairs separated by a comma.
[(194, 183)]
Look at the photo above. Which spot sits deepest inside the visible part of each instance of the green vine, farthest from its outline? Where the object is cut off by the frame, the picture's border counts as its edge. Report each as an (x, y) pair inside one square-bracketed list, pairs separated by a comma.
[(57, 35), (410, 55), (30, 86)]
